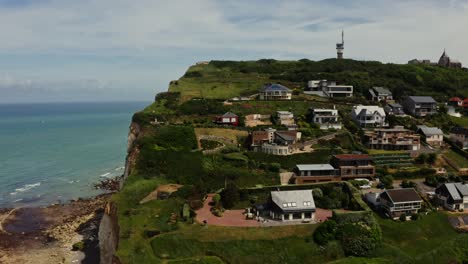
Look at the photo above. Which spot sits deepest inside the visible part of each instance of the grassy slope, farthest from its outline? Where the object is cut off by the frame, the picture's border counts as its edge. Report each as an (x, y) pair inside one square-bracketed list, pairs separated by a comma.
[(226, 79), (217, 83), (461, 161)]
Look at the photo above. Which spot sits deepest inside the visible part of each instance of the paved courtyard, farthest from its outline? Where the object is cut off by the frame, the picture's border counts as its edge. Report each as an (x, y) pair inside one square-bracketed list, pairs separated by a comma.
[(237, 217), (229, 218)]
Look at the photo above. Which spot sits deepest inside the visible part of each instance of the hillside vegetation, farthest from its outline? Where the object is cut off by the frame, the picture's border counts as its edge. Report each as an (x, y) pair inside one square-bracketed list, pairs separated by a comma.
[(227, 79)]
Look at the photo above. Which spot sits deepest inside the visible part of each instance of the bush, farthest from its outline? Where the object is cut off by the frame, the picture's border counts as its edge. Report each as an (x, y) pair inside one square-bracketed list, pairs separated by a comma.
[(78, 246), (414, 217), (387, 181), (230, 196), (403, 217), (325, 232), (358, 240)]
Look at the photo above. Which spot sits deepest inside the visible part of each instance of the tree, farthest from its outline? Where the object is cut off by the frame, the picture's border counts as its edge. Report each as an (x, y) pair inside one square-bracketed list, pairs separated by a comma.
[(421, 159), (358, 240), (317, 193), (431, 158), (387, 181), (325, 232), (230, 196)]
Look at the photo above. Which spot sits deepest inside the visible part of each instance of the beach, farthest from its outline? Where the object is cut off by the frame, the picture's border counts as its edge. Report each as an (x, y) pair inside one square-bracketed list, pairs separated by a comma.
[(47, 234)]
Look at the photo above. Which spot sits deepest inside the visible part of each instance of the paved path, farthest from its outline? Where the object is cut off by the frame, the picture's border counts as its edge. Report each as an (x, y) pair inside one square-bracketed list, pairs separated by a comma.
[(229, 218)]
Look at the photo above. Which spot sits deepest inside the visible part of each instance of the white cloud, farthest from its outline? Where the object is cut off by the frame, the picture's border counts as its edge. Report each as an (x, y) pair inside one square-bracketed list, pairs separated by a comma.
[(175, 33)]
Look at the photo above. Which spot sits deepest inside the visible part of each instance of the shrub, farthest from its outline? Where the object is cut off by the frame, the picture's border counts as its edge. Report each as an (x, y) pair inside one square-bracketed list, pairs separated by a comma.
[(358, 240), (325, 232), (216, 198), (403, 217), (414, 217), (78, 246), (317, 193), (274, 167), (387, 181), (230, 196)]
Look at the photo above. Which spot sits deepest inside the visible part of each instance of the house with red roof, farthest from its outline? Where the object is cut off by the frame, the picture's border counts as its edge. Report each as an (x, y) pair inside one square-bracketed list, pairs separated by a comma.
[(228, 119), (455, 101)]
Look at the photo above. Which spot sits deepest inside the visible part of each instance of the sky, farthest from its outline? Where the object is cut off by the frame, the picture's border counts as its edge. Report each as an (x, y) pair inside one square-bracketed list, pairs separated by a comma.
[(122, 50)]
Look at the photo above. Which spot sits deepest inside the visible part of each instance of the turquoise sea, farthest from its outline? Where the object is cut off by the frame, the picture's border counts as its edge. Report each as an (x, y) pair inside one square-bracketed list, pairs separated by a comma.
[(55, 152)]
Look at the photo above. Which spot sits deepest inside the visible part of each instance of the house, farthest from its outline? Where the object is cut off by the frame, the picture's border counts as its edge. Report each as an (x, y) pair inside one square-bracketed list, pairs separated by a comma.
[(420, 106), (369, 115), (274, 91), (378, 94), (372, 198), (396, 202), (274, 142), (341, 167), (330, 88), (309, 173), (325, 118), (253, 120), (394, 109), (465, 103), (292, 205), (455, 101), (229, 119), (285, 118), (459, 135), (396, 138), (453, 196), (352, 166), (432, 135)]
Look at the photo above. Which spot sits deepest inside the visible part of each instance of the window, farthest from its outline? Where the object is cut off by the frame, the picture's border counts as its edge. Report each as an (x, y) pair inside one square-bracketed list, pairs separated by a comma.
[(294, 204), (307, 203), (285, 205), (289, 204)]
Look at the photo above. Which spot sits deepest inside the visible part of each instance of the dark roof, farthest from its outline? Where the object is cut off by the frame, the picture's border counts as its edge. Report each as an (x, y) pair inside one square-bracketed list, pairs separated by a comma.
[(382, 91), (459, 130), (422, 99), (395, 105), (275, 87), (352, 157), (290, 135), (229, 114), (403, 195)]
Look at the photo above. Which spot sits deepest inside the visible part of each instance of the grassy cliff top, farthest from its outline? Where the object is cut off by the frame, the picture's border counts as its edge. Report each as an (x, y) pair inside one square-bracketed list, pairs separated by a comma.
[(227, 79)]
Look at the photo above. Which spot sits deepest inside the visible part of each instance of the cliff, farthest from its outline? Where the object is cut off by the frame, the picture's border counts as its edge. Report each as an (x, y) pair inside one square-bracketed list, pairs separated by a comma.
[(109, 226)]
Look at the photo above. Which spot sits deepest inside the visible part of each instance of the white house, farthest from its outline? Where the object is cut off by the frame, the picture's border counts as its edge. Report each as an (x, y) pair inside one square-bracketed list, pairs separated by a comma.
[(292, 205), (330, 88), (432, 135), (285, 118), (453, 196), (275, 92), (325, 118), (369, 115)]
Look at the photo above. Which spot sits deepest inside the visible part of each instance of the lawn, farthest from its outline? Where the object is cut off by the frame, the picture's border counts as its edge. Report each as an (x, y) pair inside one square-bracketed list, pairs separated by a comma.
[(286, 244), (215, 83), (457, 158), (430, 239), (231, 134), (461, 121)]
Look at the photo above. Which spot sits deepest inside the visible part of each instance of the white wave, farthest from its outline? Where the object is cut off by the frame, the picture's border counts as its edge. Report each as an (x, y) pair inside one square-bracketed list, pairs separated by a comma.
[(17, 200), (105, 174), (119, 168), (25, 188)]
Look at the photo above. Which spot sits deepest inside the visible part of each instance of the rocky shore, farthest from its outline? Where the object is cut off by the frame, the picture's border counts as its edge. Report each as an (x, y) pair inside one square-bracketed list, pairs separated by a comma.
[(62, 233)]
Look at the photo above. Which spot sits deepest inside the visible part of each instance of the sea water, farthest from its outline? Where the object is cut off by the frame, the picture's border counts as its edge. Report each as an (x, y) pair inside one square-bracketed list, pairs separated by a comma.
[(52, 153)]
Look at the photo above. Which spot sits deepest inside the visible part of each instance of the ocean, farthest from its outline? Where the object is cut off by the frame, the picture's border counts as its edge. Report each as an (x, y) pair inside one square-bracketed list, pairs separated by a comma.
[(52, 153)]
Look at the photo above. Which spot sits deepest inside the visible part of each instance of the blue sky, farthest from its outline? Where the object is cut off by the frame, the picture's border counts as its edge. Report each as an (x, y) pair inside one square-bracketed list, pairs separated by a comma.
[(107, 50)]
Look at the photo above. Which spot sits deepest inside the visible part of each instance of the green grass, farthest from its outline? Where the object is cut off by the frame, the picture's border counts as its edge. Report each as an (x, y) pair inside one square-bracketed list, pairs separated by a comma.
[(461, 121), (421, 240), (217, 83), (461, 161)]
